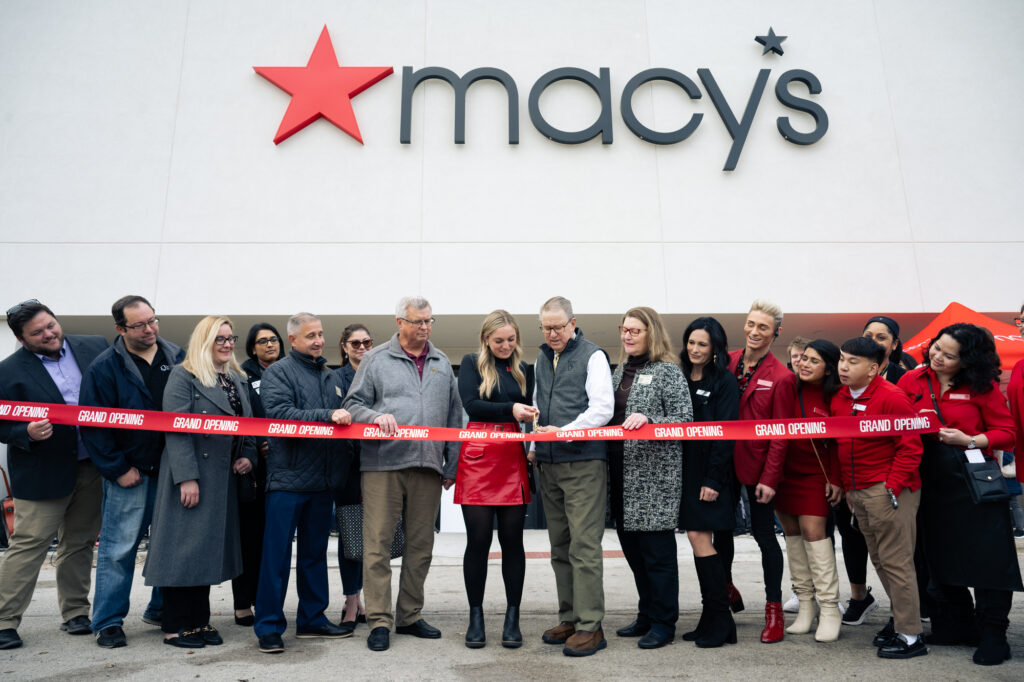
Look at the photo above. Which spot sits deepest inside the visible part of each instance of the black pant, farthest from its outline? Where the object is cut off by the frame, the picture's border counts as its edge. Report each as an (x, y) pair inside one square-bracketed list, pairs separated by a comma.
[(185, 608), (762, 526), (251, 519), (651, 556), (855, 550), (479, 529)]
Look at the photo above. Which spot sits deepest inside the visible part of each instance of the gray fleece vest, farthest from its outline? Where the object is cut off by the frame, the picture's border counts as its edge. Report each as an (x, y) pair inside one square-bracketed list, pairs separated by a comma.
[(562, 396)]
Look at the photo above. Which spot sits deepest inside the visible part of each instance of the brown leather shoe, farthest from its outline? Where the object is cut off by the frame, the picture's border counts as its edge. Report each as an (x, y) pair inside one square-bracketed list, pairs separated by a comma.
[(585, 643), (559, 633)]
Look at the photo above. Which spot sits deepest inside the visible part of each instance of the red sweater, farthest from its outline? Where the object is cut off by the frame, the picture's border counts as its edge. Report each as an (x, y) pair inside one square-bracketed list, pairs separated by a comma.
[(769, 395), (1015, 391), (893, 460), (973, 413)]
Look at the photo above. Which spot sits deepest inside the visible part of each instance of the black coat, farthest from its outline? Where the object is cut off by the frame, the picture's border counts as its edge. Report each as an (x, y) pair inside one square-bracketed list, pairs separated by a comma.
[(709, 463), (41, 470)]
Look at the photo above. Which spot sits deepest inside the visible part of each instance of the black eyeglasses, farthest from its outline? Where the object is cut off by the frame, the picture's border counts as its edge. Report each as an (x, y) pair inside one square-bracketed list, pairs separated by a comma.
[(367, 344), (225, 340), (557, 329), (420, 323), (267, 339), (23, 304), (154, 322)]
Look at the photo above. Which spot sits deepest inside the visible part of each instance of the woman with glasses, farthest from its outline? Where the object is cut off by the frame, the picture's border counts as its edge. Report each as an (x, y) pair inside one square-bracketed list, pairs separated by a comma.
[(709, 483), (965, 544), (646, 477), (263, 347), (194, 537), (810, 485), (491, 481), (354, 343)]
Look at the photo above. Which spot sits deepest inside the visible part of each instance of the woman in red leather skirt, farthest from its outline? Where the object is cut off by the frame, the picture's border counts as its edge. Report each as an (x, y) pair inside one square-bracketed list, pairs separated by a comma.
[(491, 482), (810, 483)]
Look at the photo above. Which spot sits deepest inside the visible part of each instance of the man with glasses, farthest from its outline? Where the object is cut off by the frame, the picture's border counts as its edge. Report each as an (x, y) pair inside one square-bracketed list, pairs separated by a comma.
[(573, 391), (129, 375), (302, 474), (56, 488), (405, 381)]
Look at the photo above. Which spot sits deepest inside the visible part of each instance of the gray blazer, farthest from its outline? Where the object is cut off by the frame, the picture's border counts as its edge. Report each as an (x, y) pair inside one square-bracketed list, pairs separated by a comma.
[(198, 546), (652, 471)]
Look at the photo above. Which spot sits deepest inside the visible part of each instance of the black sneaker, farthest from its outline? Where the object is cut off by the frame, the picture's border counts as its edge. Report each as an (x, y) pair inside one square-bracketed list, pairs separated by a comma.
[(898, 648), (885, 635), (79, 625), (111, 637), (857, 610), (271, 643)]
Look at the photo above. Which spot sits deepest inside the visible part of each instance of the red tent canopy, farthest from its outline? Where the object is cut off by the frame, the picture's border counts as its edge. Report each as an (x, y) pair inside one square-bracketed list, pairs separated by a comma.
[(1008, 340)]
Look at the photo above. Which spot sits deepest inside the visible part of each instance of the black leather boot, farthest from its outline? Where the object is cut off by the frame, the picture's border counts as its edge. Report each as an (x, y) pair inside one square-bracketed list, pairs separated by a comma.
[(511, 638), (476, 636), (702, 624)]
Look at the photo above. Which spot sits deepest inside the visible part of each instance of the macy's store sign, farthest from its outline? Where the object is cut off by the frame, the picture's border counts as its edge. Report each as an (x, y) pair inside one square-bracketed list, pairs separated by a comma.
[(324, 89)]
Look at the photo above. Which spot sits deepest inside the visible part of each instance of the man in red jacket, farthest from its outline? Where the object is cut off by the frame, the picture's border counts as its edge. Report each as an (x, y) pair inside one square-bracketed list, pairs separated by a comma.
[(767, 391), (883, 487)]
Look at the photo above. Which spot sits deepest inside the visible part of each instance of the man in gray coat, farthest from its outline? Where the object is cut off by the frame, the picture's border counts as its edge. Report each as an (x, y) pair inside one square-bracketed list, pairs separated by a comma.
[(405, 381)]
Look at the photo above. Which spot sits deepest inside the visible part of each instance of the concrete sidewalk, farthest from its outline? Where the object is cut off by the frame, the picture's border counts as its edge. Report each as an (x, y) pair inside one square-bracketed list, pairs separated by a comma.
[(50, 654)]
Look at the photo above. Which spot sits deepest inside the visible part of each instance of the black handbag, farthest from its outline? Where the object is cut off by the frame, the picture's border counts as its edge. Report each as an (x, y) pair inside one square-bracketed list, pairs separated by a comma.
[(350, 528), (985, 480)]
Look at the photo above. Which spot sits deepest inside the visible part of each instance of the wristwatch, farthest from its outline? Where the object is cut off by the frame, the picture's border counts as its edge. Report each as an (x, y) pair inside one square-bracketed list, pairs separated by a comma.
[(971, 445)]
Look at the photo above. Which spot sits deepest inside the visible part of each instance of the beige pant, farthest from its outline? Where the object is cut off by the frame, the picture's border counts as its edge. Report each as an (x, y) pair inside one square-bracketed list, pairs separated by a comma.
[(415, 496), (890, 535), (75, 522)]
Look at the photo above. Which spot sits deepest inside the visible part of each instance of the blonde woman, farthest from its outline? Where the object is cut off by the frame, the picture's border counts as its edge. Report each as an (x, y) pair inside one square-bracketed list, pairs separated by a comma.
[(646, 477), (194, 536), (496, 388)]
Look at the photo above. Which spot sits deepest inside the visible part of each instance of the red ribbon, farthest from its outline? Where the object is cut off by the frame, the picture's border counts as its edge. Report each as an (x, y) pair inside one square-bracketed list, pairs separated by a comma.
[(172, 422)]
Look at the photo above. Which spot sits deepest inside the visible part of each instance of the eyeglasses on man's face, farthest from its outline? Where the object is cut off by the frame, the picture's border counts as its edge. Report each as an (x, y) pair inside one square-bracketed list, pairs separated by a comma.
[(152, 322), (429, 322), (268, 339), (555, 329), (225, 340)]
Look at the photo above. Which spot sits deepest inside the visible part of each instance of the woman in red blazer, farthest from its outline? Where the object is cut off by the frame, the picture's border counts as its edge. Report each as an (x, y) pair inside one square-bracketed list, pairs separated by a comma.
[(767, 391), (965, 544)]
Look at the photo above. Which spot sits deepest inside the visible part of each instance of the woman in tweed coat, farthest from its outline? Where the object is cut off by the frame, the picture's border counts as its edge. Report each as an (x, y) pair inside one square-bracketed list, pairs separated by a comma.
[(646, 476)]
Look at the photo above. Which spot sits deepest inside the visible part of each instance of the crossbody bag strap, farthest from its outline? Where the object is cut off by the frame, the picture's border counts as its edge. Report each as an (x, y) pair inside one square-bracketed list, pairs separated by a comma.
[(935, 402)]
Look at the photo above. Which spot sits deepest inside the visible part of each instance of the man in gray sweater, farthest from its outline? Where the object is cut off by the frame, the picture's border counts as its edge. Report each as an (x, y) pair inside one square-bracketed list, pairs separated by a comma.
[(410, 382)]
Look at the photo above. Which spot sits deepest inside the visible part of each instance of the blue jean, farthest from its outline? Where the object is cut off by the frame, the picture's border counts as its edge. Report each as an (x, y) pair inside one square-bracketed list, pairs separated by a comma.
[(127, 513), (310, 514)]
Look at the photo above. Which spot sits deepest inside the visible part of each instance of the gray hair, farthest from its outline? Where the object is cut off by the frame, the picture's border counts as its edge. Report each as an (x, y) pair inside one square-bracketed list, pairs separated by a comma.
[(296, 321), (558, 303), (414, 302), (763, 305)]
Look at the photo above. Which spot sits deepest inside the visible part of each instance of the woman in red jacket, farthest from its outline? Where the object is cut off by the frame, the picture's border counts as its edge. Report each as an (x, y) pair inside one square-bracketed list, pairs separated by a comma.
[(1015, 392), (810, 485), (965, 544)]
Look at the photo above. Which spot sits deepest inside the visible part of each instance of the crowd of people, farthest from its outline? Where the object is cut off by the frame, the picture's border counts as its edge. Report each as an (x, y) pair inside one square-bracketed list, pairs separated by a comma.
[(222, 507)]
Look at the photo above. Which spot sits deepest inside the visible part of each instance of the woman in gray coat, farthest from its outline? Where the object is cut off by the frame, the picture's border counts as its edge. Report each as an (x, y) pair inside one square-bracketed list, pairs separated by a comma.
[(194, 537), (646, 477)]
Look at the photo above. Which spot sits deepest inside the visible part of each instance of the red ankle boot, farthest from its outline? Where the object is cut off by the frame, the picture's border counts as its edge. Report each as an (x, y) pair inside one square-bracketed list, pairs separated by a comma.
[(774, 623), (735, 599)]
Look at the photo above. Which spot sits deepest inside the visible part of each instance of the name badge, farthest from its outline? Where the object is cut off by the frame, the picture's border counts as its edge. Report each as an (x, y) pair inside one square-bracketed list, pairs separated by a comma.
[(644, 379), (337, 389), (706, 394), (764, 382), (256, 386), (960, 396), (860, 407), (818, 410)]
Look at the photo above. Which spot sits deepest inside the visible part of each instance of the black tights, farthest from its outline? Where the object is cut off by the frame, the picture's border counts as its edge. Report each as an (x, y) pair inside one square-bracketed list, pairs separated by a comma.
[(479, 527)]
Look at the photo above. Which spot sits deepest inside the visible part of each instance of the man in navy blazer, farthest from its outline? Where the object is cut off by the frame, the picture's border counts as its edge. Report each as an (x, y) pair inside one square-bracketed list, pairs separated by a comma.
[(54, 484)]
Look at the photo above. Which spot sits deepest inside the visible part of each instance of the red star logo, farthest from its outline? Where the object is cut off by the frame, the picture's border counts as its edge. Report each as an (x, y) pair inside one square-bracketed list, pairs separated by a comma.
[(321, 88)]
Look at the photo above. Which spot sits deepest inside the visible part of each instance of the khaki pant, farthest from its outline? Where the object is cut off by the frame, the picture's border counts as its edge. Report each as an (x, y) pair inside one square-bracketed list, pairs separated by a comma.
[(890, 535), (574, 495), (415, 496), (75, 522)]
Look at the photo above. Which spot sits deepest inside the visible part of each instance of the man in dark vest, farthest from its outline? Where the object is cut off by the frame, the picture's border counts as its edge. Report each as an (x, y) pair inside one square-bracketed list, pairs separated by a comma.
[(56, 488), (573, 391)]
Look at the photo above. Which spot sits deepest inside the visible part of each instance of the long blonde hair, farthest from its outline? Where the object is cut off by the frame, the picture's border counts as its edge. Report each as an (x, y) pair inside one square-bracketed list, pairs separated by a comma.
[(199, 356), (485, 360), (659, 347)]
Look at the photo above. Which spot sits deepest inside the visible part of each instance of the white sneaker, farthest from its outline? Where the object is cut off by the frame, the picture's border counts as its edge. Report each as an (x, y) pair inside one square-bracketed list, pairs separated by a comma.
[(792, 606)]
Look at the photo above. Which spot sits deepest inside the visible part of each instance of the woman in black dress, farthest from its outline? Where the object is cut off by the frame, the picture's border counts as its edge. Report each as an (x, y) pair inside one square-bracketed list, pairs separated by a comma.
[(708, 499)]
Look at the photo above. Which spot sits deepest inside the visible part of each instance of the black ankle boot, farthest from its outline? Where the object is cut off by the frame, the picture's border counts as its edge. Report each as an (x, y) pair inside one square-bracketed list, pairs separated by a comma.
[(511, 638), (476, 637)]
